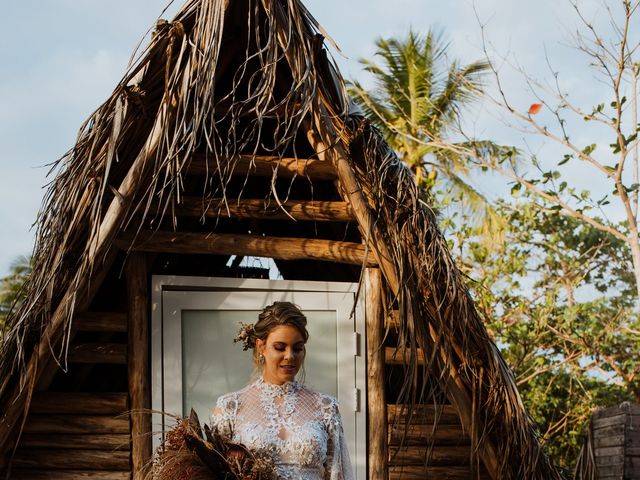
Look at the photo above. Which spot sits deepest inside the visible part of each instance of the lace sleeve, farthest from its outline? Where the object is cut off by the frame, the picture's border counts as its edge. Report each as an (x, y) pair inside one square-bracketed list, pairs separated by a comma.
[(337, 465), (223, 416)]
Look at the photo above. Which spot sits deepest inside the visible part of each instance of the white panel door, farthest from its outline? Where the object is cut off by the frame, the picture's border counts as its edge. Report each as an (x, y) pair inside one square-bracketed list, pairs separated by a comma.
[(195, 360)]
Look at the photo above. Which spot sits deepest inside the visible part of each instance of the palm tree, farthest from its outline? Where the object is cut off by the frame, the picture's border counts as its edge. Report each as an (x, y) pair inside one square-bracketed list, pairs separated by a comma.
[(11, 286), (417, 102)]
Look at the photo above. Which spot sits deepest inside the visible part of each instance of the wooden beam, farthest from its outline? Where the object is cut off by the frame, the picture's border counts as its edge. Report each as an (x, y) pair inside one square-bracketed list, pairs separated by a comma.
[(425, 435), (79, 403), (57, 459), (423, 414), (376, 400), (93, 441), (283, 248), (265, 166), (395, 356), (452, 455), (139, 368), (111, 322), (107, 353), (317, 211), (76, 424)]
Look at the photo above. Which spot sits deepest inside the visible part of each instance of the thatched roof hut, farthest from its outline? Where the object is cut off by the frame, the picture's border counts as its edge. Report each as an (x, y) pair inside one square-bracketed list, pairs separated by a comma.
[(230, 136)]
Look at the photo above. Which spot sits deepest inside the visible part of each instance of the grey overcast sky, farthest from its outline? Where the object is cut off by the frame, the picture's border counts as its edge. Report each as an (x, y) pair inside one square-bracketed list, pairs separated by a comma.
[(61, 58)]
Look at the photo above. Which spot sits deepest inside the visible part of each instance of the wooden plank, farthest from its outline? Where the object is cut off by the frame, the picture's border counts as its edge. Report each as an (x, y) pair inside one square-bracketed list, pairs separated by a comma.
[(609, 441), (438, 456), (317, 211), (112, 322), (598, 423), (392, 320), (76, 424), (283, 248), (69, 475), (609, 460), (614, 471), (93, 441), (376, 403), (138, 368), (632, 468), (609, 451), (426, 434), (624, 408), (79, 460), (79, 403), (423, 414), (415, 472), (264, 166), (108, 353), (633, 451), (394, 356)]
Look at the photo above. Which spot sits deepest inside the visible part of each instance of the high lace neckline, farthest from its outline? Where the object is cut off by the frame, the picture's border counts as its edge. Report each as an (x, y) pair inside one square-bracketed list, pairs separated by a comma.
[(286, 388)]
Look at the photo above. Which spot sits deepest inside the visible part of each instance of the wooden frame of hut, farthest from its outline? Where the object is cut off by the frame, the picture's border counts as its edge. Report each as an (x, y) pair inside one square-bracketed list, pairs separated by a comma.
[(231, 135)]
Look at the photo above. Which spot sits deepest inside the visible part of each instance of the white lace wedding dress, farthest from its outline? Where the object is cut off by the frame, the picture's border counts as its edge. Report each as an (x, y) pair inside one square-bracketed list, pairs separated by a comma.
[(300, 428)]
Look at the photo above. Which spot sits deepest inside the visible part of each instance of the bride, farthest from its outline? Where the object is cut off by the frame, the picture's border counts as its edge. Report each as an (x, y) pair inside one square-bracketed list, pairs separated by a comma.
[(299, 428)]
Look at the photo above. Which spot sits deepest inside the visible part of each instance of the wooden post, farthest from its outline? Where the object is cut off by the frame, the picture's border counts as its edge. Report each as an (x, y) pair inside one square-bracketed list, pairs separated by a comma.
[(139, 363), (376, 401)]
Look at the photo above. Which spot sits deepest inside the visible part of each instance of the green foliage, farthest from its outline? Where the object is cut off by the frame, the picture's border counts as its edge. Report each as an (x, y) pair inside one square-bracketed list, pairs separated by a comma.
[(559, 298), (11, 291), (417, 103)]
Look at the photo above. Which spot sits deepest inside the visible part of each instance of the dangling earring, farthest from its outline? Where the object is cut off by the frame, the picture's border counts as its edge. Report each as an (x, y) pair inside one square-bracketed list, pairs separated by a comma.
[(261, 359)]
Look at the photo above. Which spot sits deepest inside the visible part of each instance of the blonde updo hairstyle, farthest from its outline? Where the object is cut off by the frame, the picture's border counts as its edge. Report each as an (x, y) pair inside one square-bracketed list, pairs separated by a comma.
[(280, 313)]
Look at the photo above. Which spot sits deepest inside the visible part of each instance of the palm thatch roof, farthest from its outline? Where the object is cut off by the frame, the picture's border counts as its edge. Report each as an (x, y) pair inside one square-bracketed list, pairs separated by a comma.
[(225, 80)]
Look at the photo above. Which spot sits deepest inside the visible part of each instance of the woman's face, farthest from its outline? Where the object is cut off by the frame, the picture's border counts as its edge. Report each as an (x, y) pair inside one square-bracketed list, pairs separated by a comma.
[(283, 352)]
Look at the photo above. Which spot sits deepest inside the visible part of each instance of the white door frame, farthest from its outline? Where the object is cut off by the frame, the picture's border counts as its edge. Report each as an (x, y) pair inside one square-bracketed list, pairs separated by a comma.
[(349, 403)]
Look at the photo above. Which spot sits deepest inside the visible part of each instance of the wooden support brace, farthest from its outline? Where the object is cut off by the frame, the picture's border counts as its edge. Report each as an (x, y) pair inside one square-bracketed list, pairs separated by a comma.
[(317, 211), (282, 248), (265, 166)]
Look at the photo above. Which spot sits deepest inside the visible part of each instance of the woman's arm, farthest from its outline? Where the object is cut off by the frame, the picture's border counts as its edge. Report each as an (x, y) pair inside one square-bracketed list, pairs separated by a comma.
[(337, 464), (223, 416)]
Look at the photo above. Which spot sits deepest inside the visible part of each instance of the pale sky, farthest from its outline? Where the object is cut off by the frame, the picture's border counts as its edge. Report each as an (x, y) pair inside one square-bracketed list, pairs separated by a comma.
[(61, 58)]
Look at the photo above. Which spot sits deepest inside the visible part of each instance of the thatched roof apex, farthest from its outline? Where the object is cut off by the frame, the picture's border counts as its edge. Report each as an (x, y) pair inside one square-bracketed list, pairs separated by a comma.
[(225, 79)]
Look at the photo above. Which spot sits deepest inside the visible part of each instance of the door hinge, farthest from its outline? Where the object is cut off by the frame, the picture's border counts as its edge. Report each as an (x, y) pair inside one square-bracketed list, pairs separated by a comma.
[(356, 399), (356, 344)]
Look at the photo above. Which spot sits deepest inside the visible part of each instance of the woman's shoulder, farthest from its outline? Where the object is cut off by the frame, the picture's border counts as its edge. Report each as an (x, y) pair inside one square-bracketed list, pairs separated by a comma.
[(230, 401), (325, 401)]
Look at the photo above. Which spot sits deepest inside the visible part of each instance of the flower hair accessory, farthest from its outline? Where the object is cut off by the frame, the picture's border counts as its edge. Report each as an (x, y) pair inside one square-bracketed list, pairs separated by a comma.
[(246, 335)]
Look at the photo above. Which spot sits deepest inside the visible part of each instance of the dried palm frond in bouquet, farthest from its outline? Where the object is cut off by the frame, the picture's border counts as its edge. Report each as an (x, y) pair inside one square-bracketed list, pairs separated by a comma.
[(192, 452)]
